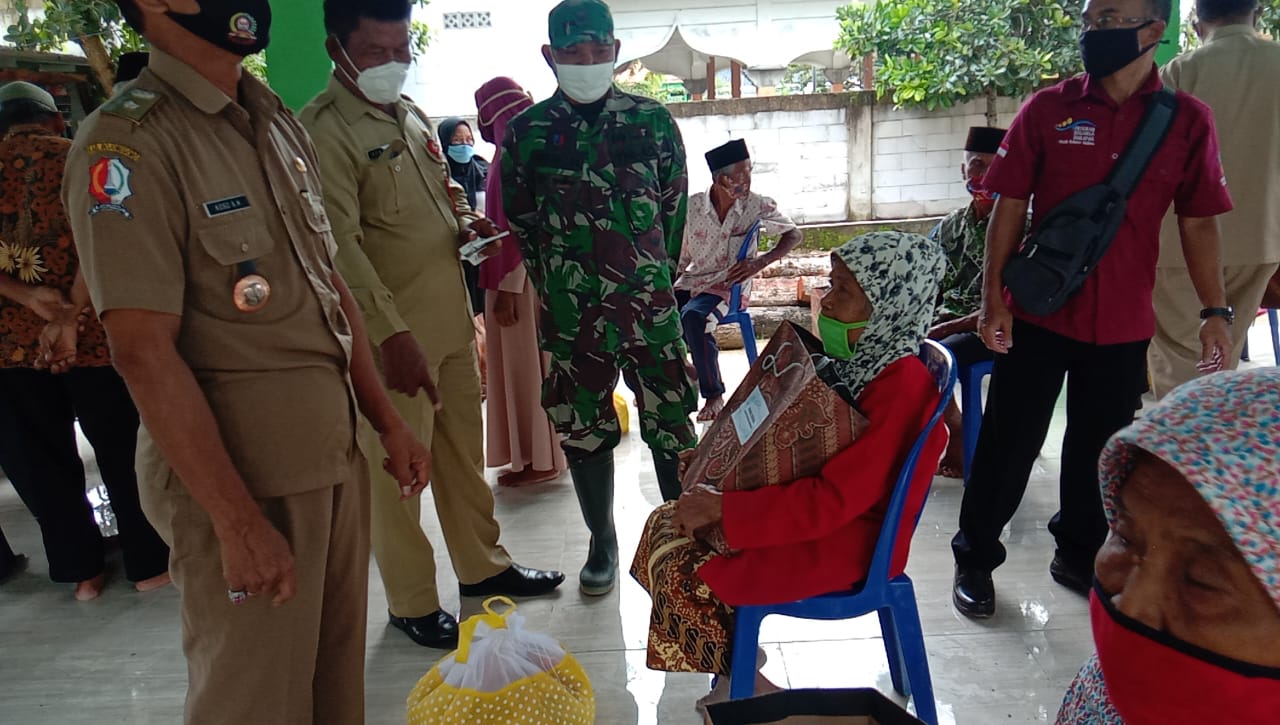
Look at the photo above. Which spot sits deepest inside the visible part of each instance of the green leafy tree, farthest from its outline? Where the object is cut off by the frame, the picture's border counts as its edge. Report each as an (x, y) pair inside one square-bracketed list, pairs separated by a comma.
[(94, 25), (97, 27), (800, 79), (937, 53)]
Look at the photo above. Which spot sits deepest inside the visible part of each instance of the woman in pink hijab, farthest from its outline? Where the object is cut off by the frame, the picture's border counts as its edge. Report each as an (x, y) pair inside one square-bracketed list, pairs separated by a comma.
[(519, 432)]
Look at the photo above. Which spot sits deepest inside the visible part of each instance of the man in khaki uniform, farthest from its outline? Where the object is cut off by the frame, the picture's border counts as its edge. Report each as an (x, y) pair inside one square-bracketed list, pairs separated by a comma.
[(1236, 72), (398, 218), (195, 202)]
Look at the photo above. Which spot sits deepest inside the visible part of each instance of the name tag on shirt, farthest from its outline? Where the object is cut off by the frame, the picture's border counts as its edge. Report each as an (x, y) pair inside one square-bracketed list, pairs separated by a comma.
[(229, 205)]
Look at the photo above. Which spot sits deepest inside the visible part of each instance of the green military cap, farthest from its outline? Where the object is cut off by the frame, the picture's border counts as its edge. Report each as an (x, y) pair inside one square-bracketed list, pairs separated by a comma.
[(580, 21), (21, 90)]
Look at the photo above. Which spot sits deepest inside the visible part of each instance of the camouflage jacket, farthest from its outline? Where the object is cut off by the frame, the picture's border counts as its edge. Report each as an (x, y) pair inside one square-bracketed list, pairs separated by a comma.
[(964, 240), (600, 208)]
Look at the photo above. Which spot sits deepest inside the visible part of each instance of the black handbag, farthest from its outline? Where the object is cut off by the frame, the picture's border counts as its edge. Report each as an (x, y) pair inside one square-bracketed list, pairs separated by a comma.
[(1059, 256)]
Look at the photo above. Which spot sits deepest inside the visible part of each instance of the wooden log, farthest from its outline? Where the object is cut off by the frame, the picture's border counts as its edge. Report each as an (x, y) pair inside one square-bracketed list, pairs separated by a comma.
[(799, 266), (777, 292), (767, 320)]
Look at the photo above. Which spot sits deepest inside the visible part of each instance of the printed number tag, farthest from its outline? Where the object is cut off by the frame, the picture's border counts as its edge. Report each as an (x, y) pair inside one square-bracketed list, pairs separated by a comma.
[(748, 418)]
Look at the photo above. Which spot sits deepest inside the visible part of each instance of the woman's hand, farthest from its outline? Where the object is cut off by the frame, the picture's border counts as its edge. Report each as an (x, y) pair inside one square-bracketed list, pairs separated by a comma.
[(696, 509), (504, 309)]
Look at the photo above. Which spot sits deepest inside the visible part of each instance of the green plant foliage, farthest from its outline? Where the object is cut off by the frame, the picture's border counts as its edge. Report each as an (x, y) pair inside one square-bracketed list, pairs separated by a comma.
[(656, 86), (73, 20), (937, 53)]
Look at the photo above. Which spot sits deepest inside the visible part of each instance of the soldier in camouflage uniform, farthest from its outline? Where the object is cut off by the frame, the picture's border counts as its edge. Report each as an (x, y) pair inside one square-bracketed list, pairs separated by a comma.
[(594, 185), (963, 236)]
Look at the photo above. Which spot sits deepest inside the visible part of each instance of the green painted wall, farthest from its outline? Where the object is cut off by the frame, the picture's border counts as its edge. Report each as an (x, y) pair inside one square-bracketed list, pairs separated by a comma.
[(1172, 36), (297, 65)]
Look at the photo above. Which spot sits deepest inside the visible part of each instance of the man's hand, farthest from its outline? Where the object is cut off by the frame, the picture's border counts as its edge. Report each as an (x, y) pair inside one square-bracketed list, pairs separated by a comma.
[(408, 461), (405, 367), (696, 509), (57, 347), (995, 325), (1215, 345), (49, 303), (256, 559), (505, 311), (484, 227), (745, 270)]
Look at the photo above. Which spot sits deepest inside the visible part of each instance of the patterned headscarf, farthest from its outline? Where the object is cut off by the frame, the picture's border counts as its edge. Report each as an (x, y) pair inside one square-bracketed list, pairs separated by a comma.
[(1222, 433), (900, 274)]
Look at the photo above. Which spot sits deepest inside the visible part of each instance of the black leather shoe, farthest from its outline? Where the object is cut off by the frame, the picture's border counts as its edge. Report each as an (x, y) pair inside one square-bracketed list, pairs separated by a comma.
[(13, 566), (438, 629), (1077, 581), (516, 581), (973, 593)]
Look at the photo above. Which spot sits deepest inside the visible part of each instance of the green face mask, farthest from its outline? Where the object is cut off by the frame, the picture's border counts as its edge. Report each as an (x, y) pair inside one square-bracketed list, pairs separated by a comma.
[(835, 336)]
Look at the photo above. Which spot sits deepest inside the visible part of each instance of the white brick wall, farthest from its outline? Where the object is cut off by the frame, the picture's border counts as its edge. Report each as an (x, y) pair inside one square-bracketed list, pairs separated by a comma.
[(803, 159)]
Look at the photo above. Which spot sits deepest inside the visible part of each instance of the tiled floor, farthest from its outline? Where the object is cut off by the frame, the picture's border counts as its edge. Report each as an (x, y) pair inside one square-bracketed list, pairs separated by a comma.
[(117, 660)]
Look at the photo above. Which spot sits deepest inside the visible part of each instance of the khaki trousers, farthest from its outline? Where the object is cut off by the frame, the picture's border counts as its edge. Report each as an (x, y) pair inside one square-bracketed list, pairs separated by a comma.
[(1175, 348), (464, 502), (301, 663)]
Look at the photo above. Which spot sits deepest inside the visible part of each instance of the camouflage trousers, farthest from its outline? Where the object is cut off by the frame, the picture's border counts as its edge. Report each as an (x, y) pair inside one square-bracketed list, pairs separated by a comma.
[(578, 397)]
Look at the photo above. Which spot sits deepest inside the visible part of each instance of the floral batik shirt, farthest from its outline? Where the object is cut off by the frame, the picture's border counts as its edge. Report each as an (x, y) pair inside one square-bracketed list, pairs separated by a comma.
[(36, 246)]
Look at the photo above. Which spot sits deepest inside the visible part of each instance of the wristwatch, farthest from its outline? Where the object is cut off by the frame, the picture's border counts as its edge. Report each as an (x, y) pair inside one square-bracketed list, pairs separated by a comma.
[(1226, 313)]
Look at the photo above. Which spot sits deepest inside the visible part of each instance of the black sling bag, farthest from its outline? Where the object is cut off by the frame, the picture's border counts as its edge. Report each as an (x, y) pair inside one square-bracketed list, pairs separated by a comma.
[(1055, 260)]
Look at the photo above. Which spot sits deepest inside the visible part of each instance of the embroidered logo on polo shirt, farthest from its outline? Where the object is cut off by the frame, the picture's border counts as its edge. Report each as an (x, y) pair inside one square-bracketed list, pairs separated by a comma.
[(109, 186), (1083, 132)]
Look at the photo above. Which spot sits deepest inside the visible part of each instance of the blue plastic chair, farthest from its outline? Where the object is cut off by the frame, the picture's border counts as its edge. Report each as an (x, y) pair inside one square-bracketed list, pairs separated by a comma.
[(1275, 334), (894, 599), (971, 408), (737, 314)]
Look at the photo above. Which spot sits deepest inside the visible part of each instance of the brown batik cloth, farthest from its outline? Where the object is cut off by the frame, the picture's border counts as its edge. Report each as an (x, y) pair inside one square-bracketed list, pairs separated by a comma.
[(690, 630)]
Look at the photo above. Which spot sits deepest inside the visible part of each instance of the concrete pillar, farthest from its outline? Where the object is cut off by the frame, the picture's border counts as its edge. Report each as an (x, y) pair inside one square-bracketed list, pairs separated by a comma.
[(297, 65), (859, 119)]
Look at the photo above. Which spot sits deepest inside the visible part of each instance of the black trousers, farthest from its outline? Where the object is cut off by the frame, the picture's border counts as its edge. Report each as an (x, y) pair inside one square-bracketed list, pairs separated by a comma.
[(1104, 389), (38, 453), (7, 557)]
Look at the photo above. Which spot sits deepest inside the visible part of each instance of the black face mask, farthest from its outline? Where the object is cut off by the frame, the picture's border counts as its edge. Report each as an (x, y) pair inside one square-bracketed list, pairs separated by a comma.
[(1106, 51), (237, 26)]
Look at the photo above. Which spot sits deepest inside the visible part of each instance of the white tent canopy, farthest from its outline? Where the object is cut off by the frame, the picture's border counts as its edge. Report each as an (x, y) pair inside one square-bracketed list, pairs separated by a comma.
[(679, 36)]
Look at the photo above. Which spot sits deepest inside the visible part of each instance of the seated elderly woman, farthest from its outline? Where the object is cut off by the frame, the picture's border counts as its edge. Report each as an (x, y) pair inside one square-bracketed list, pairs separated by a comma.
[(1186, 599), (814, 535)]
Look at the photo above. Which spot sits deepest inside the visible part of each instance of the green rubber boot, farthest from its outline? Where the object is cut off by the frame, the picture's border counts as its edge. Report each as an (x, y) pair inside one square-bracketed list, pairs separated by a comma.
[(667, 469), (593, 482)]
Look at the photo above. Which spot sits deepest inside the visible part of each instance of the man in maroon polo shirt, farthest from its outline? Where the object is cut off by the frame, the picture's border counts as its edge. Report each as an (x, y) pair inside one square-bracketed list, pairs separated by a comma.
[(1065, 139)]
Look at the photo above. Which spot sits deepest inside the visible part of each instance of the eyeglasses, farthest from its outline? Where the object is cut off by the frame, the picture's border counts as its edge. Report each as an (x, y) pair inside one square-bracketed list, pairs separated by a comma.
[(1110, 22)]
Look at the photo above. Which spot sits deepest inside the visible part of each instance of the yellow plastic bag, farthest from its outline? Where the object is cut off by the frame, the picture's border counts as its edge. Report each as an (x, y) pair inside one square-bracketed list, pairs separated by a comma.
[(503, 674), (624, 416)]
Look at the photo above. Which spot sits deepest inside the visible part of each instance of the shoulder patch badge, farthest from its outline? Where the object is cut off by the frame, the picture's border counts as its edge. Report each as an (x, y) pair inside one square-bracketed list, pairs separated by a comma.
[(109, 186), (133, 104)]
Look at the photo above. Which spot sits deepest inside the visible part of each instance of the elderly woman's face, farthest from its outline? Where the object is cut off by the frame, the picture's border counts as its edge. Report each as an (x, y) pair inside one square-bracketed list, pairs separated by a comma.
[(1170, 564), (845, 301)]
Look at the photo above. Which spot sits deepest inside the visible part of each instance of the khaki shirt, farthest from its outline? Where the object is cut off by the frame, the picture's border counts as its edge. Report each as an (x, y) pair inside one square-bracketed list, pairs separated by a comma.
[(396, 214), (1237, 73), (170, 188)]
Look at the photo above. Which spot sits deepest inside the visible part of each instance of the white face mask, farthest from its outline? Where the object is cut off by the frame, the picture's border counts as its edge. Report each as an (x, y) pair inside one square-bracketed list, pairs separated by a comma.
[(383, 83), (585, 83)]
